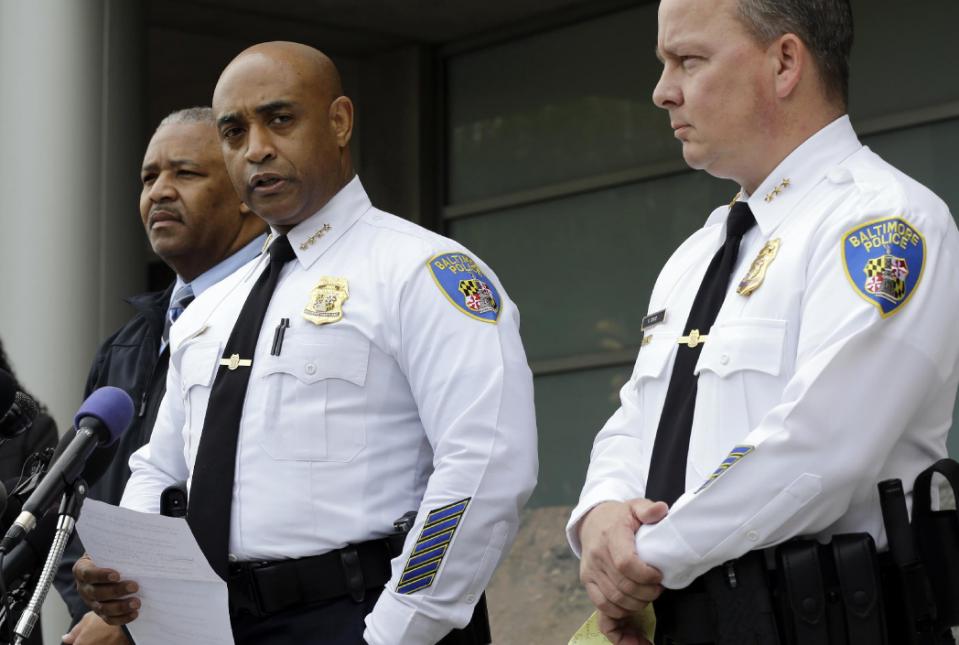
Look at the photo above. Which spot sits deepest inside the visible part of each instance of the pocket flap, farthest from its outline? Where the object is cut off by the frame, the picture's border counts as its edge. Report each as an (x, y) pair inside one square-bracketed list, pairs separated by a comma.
[(746, 344), (322, 357), (198, 363), (653, 357)]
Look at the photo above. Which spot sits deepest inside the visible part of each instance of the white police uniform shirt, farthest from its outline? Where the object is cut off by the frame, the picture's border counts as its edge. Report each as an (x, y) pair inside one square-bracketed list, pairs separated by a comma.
[(411, 401), (840, 370)]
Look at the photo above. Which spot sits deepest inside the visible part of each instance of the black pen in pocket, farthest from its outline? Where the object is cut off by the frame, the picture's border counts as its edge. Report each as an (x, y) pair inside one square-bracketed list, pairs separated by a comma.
[(278, 336)]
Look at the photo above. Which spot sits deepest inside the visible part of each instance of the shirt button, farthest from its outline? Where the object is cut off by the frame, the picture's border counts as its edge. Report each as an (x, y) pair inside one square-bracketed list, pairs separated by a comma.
[(752, 536), (724, 359), (232, 558), (310, 369), (470, 598), (839, 175)]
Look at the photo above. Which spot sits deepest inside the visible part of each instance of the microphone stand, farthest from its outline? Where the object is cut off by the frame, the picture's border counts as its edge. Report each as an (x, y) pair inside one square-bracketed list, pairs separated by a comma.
[(69, 511)]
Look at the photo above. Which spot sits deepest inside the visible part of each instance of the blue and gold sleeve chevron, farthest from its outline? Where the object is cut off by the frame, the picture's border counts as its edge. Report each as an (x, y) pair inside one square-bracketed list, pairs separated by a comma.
[(431, 546), (735, 455)]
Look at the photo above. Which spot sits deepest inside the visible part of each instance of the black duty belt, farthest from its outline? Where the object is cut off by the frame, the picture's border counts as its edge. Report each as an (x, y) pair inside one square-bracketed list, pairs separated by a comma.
[(265, 588), (800, 593)]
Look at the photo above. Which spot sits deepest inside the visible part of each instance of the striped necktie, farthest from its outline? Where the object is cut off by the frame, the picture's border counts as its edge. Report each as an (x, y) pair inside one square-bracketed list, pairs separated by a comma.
[(181, 300)]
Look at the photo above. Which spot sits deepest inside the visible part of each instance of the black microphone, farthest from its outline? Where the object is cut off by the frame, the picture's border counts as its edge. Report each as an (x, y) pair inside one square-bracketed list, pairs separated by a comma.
[(17, 409), (102, 418), (24, 558)]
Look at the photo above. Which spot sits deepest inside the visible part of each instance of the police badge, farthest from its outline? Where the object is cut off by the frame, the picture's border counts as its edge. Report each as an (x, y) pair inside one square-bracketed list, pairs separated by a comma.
[(757, 271), (326, 301)]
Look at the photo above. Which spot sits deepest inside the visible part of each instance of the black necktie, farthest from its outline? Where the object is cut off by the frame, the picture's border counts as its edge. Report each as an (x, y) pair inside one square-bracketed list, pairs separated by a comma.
[(211, 490), (667, 469)]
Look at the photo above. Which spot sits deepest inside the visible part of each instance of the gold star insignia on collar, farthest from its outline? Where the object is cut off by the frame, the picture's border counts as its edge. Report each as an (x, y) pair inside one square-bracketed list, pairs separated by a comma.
[(326, 228), (783, 185)]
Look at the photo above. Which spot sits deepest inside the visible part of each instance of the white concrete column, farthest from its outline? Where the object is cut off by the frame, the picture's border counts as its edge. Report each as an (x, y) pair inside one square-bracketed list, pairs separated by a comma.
[(71, 139)]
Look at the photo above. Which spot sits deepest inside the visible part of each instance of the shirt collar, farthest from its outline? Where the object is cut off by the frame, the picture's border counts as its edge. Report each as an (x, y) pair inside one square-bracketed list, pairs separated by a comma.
[(314, 235), (227, 266), (800, 172)]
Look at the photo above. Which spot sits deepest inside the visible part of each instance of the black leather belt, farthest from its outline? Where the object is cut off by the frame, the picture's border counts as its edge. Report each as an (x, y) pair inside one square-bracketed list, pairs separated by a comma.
[(264, 588), (798, 593)]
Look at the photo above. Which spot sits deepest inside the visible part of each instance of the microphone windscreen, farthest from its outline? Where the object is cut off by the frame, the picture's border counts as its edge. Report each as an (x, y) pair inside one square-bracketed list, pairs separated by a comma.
[(112, 407), (8, 391), (19, 416)]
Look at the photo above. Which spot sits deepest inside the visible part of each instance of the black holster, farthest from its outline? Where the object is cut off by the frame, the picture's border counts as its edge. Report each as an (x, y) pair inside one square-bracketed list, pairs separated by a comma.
[(830, 594), (937, 540), (744, 609), (800, 593)]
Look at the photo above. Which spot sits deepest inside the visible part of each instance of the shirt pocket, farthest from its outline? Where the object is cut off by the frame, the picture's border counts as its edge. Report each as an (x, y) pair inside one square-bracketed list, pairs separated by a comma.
[(649, 381), (316, 397), (198, 366), (739, 380)]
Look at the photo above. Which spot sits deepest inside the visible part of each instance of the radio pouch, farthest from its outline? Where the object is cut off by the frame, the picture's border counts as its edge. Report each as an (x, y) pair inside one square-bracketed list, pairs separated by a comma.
[(937, 538)]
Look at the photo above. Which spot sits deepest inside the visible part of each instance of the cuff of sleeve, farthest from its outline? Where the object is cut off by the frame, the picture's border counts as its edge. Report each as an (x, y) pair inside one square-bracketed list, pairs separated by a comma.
[(661, 545), (393, 622), (606, 492)]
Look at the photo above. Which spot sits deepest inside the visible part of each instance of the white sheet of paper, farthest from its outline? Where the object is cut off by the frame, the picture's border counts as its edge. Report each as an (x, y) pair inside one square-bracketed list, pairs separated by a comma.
[(182, 600)]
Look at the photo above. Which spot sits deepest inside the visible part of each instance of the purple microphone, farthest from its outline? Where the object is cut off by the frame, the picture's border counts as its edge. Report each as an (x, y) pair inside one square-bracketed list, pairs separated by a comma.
[(102, 418)]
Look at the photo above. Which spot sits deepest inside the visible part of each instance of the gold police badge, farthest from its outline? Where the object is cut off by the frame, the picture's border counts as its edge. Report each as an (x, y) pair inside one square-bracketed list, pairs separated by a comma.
[(757, 272), (326, 301)]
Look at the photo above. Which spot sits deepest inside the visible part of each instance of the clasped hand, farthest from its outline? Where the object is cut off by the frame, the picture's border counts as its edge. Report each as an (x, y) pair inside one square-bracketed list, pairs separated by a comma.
[(617, 581)]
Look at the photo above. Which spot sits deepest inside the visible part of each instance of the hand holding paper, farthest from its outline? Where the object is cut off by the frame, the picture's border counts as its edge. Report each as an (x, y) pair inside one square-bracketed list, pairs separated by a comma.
[(182, 600)]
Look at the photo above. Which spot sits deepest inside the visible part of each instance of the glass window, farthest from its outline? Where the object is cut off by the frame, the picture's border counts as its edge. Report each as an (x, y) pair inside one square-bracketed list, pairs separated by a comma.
[(905, 56), (570, 409), (566, 104), (574, 103), (927, 154), (581, 269)]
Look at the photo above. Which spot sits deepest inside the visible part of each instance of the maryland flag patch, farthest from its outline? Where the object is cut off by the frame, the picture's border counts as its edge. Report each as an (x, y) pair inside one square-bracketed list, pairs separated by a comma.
[(884, 261), (465, 285), (431, 546)]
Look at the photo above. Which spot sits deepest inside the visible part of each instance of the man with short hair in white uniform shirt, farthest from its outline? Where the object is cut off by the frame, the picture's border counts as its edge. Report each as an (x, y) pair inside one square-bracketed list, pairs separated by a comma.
[(833, 360), (388, 376)]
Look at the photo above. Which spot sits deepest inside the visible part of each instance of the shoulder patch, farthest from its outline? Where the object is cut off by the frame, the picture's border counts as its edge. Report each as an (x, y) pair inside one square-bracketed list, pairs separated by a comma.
[(735, 455), (430, 548), (465, 285), (884, 260)]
